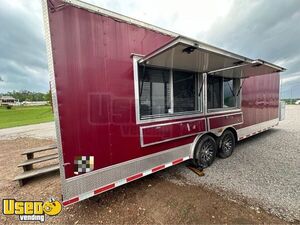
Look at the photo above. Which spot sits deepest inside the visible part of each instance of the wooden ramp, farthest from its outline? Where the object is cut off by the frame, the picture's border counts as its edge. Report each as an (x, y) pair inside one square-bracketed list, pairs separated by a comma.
[(29, 170)]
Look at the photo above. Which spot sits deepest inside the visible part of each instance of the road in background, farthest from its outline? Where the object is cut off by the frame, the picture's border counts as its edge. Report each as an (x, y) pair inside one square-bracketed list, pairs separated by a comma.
[(41, 131)]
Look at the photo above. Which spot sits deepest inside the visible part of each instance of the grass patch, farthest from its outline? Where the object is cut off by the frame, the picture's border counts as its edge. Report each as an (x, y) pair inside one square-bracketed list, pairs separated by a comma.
[(24, 115)]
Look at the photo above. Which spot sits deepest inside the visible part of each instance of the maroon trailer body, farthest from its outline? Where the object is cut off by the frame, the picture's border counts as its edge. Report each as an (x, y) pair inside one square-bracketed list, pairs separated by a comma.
[(131, 99)]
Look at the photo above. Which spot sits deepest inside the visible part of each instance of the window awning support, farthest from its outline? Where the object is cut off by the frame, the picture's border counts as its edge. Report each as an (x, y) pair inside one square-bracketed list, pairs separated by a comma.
[(142, 85), (239, 91)]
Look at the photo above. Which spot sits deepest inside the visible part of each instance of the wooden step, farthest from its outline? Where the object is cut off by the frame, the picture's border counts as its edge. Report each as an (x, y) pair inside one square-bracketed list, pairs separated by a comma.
[(39, 149), (36, 172), (39, 159)]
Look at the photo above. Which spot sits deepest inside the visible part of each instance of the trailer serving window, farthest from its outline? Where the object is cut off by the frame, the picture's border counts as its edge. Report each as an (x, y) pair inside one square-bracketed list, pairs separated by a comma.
[(223, 69), (222, 93), (185, 88), (154, 91), (166, 92)]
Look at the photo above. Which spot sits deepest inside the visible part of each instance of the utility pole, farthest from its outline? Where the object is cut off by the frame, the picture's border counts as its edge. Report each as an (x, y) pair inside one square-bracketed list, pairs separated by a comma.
[(291, 95)]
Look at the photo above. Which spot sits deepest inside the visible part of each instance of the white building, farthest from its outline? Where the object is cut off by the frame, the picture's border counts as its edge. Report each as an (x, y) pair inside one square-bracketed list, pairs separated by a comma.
[(7, 100)]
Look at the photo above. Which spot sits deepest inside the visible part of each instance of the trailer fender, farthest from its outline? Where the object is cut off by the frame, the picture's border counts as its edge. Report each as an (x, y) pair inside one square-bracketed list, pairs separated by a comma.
[(233, 130), (196, 140), (215, 135)]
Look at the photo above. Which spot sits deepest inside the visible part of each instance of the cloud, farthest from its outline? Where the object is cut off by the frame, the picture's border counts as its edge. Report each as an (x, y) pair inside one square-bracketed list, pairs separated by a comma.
[(23, 63), (292, 79), (267, 29), (263, 29)]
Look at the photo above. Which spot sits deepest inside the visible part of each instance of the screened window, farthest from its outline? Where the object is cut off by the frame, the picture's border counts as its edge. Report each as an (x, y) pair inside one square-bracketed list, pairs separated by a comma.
[(222, 92)]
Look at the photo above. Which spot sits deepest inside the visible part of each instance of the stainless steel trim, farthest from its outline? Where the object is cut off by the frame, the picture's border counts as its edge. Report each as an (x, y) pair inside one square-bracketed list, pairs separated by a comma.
[(170, 139), (205, 93), (224, 112), (227, 68), (231, 114), (136, 54), (171, 123), (171, 117), (136, 88), (171, 92), (249, 130), (219, 133), (54, 95), (91, 181), (193, 145), (141, 137)]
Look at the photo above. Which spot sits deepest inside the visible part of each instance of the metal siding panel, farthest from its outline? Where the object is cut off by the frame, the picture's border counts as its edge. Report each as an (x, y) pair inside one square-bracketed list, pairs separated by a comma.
[(225, 120), (93, 71), (162, 133), (254, 90)]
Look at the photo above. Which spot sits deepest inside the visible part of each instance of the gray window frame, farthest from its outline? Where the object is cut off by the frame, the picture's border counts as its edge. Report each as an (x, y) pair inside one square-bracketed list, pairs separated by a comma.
[(171, 115), (236, 88)]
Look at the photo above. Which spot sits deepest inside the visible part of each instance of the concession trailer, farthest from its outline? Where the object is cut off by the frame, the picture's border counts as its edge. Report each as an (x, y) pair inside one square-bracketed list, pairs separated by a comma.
[(131, 98)]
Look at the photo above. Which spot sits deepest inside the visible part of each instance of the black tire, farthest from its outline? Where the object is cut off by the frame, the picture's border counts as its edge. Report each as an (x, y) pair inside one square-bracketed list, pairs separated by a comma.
[(205, 152), (226, 144)]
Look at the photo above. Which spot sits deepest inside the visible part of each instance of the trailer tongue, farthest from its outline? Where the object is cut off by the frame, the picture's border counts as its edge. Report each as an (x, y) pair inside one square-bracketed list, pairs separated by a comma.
[(131, 99)]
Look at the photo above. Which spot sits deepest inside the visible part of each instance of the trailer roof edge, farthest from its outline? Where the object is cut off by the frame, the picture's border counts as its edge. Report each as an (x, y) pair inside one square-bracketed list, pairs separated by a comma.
[(106, 12), (279, 68), (127, 19)]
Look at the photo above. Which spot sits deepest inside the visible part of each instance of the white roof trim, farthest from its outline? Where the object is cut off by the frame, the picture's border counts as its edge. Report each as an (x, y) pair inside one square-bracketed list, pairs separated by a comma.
[(114, 15), (190, 41)]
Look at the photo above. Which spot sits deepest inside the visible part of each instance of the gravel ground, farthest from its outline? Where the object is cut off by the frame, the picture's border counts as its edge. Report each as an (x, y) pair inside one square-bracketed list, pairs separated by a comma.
[(150, 200), (264, 169), (40, 131)]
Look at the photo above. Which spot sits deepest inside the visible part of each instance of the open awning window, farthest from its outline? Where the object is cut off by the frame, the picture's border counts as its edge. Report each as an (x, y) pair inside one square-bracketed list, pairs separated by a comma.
[(186, 54)]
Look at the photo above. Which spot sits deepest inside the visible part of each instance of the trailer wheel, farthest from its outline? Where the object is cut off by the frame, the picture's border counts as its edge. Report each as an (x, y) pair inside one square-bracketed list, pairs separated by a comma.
[(205, 152), (227, 144)]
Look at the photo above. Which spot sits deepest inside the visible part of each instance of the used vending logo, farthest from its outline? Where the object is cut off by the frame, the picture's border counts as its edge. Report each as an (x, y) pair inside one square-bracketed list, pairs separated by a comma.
[(31, 210)]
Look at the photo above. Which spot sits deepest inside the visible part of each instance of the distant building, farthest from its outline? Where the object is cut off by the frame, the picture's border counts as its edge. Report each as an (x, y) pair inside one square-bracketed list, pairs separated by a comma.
[(7, 100), (34, 103)]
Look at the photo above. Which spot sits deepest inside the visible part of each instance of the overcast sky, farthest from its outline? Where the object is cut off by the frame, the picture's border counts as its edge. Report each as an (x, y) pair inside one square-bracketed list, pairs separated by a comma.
[(266, 29)]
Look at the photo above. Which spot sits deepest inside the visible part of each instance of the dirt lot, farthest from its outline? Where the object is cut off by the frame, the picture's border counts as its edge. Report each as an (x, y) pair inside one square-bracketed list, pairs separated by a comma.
[(150, 200)]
